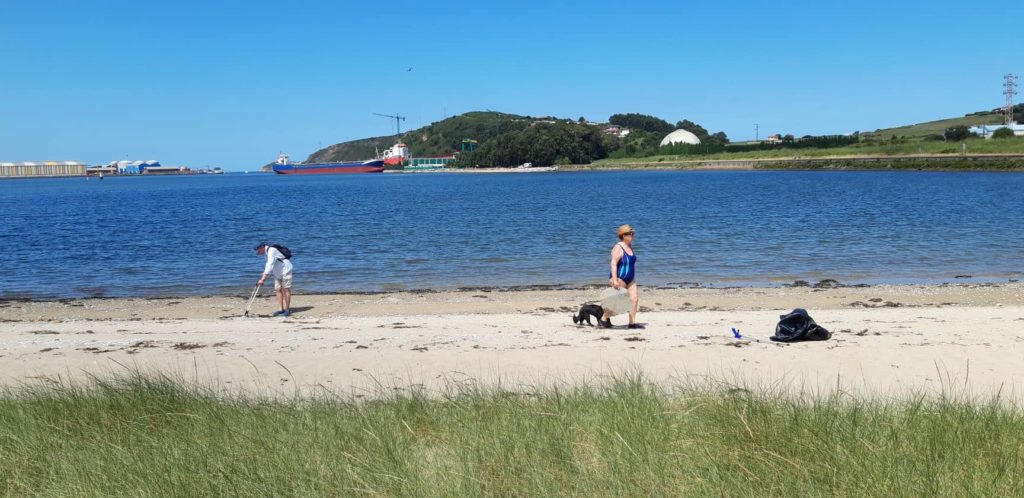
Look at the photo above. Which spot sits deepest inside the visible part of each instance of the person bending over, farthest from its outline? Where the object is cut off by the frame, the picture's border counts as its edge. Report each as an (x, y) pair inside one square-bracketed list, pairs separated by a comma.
[(281, 266)]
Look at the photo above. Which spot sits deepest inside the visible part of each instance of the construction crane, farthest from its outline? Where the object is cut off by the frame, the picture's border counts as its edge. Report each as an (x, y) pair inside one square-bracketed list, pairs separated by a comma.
[(398, 120)]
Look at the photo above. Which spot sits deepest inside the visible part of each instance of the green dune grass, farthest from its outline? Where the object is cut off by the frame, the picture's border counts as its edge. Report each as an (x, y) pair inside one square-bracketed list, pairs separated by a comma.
[(145, 435)]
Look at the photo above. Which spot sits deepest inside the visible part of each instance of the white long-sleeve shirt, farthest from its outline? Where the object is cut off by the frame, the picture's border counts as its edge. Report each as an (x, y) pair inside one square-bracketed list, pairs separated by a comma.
[(276, 263)]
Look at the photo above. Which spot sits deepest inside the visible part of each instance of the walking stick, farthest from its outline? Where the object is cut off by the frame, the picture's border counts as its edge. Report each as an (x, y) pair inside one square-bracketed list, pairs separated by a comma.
[(251, 299)]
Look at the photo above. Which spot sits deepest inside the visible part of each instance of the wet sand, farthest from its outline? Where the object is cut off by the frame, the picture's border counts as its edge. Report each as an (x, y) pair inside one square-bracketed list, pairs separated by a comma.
[(886, 340)]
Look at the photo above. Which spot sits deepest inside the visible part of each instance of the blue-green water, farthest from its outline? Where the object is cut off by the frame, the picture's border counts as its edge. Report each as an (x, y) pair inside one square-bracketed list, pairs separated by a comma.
[(194, 235)]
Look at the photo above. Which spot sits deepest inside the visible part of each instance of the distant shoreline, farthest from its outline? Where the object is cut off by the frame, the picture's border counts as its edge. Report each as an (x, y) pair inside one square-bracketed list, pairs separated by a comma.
[(912, 162), (824, 283), (980, 163)]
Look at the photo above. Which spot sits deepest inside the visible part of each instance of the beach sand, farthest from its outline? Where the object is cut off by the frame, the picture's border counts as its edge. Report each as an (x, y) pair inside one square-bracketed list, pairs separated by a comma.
[(886, 340)]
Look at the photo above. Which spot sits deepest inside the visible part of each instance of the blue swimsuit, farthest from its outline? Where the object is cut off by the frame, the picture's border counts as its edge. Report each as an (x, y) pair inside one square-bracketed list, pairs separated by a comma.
[(626, 267)]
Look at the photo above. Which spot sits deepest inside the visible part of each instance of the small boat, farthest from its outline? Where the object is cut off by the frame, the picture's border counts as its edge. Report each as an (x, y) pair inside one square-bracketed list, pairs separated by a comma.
[(284, 167)]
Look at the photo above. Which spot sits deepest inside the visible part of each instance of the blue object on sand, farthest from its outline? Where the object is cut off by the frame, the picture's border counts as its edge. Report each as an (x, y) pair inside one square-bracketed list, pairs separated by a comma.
[(736, 333)]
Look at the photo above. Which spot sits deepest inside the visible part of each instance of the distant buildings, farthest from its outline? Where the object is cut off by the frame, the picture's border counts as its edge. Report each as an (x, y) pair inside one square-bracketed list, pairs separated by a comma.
[(774, 139), (41, 169), (986, 131), (150, 167), (430, 162), (132, 167), (616, 130)]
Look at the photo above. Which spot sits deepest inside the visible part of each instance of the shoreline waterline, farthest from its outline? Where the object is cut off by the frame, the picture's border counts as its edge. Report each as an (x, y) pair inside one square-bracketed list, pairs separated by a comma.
[(778, 283)]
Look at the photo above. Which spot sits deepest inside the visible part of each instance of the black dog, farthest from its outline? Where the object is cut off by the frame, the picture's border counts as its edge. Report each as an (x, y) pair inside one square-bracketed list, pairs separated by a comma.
[(591, 310)]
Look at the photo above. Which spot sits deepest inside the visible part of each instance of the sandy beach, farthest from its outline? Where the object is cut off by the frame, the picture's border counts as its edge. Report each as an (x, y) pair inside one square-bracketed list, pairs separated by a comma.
[(886, 340)]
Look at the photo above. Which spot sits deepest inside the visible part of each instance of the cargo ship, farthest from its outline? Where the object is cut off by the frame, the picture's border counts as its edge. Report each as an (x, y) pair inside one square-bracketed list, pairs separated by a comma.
[(284, 167), (397, 155)]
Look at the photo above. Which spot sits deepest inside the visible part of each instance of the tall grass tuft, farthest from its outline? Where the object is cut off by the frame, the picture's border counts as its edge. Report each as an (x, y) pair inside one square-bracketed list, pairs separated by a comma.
[(155, 435)]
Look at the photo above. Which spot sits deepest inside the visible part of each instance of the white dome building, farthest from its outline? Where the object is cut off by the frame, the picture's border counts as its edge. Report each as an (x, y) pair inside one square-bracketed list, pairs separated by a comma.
[(680, 137)]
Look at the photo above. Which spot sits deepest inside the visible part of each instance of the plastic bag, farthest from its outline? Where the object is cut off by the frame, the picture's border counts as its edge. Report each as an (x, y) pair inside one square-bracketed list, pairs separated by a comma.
[(799, 326), (615, 301)]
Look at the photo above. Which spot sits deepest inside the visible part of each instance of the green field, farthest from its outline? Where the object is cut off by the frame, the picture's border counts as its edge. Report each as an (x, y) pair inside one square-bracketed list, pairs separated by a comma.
[(881, 148), (900, 141), (151, 436), (937, 127)]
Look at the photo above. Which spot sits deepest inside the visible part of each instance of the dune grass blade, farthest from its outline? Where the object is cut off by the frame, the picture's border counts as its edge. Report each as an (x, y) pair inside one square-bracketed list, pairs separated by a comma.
[(154, 435)]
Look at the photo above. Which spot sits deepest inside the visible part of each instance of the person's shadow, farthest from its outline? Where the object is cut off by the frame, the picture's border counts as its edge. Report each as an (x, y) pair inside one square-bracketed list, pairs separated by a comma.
[(299, 309)]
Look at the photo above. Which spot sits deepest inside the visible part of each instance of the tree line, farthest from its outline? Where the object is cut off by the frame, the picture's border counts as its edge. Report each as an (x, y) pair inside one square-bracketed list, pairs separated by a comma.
[(656, 125), (543, 144), (788, 142), (575, 142)]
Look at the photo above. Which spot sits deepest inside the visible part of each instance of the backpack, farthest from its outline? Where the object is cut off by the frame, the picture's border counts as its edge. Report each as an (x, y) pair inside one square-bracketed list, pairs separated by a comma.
[(287, 253), (799, 326)]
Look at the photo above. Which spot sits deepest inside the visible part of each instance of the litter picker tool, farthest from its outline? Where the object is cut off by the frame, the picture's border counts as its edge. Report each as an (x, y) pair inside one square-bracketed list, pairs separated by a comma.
[(252, 298)]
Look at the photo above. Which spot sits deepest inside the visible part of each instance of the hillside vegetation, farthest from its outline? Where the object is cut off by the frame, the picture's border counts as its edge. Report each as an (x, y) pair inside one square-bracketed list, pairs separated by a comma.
[(441, 137), (510, 139), (543, 144), (940, 137), (503, 139), (930, 128), (898, 147)]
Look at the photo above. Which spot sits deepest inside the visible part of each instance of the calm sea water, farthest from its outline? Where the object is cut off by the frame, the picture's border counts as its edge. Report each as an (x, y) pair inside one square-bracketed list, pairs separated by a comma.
[(194, 235)]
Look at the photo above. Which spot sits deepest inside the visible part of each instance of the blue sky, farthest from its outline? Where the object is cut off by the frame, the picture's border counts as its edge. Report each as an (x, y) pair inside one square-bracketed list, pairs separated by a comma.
[(231, 83)]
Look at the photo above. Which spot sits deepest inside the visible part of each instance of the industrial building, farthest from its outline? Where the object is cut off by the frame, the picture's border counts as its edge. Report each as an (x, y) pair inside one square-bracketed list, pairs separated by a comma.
[(430, 162), (680, 137), (150, 167), (42, 169), (131, 167), (166, 170)]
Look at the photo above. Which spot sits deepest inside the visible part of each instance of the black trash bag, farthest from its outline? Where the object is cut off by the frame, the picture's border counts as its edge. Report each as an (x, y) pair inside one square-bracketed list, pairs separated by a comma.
[(799, 326)]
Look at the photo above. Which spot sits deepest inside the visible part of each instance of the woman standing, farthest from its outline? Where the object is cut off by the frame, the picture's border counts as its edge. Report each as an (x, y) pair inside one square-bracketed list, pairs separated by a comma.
[(623, 273)]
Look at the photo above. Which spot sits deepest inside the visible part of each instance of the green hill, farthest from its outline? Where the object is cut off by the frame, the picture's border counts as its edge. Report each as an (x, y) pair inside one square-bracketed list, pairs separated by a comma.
[(354, 150), (441, 137), (510, 139), (937, 127), (931, 128)]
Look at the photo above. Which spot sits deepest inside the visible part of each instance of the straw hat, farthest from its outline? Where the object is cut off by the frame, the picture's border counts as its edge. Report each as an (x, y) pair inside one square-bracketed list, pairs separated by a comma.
[(623, 230)]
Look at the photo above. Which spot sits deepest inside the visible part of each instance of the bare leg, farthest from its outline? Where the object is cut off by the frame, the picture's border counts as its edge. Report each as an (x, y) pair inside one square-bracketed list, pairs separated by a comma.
[(287, 299), (280, 299), (634, 297)]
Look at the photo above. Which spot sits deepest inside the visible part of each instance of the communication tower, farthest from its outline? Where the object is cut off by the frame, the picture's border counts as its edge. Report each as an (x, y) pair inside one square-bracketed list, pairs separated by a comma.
[(1009, 89)]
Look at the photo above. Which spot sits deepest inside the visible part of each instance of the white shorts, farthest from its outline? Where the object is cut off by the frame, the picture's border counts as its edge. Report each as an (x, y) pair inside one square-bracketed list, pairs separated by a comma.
[(285, 282)]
